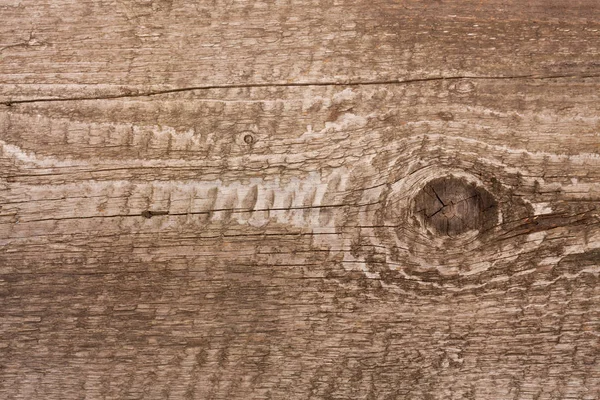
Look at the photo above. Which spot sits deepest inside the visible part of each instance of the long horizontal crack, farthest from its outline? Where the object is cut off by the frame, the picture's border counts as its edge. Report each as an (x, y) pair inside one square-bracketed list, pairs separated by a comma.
[(152, 213), (297, 84)]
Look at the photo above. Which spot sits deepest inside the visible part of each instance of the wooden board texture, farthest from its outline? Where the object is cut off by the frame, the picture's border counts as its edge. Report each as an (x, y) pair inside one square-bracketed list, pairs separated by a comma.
[(302, 199)]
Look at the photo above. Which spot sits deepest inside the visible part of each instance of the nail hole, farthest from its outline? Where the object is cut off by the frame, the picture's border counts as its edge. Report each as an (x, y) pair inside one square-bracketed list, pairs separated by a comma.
[(147, 214), (248, 139)]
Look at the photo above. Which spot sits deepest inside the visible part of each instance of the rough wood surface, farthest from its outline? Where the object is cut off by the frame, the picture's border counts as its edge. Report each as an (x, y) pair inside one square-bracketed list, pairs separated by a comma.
[(299, 200)]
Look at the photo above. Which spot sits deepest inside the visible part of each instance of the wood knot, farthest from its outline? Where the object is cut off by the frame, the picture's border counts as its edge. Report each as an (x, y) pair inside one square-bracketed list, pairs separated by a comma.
[(451, 206)]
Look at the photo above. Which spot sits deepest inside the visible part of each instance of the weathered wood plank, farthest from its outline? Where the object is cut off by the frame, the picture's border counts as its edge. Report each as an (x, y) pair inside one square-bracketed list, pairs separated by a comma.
[(322, 284), (66, 48), (271, 237)]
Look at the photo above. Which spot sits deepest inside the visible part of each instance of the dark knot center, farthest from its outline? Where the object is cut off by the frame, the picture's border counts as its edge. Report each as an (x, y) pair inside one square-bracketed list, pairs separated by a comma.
[(451, 206)]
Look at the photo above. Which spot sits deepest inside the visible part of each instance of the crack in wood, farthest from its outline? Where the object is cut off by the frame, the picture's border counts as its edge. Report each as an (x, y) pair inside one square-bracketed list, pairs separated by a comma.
[(301, 84)]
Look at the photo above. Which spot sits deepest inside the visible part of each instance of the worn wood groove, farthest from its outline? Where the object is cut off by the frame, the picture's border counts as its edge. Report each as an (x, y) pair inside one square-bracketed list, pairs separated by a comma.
[(300, 200)]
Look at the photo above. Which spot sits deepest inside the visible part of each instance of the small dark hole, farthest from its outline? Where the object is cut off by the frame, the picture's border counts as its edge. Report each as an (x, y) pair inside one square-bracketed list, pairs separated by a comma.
[(249, 139), (147, 214)]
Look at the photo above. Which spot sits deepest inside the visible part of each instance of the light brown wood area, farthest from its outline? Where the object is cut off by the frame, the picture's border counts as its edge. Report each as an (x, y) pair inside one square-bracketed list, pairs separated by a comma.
[(300, 199)]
